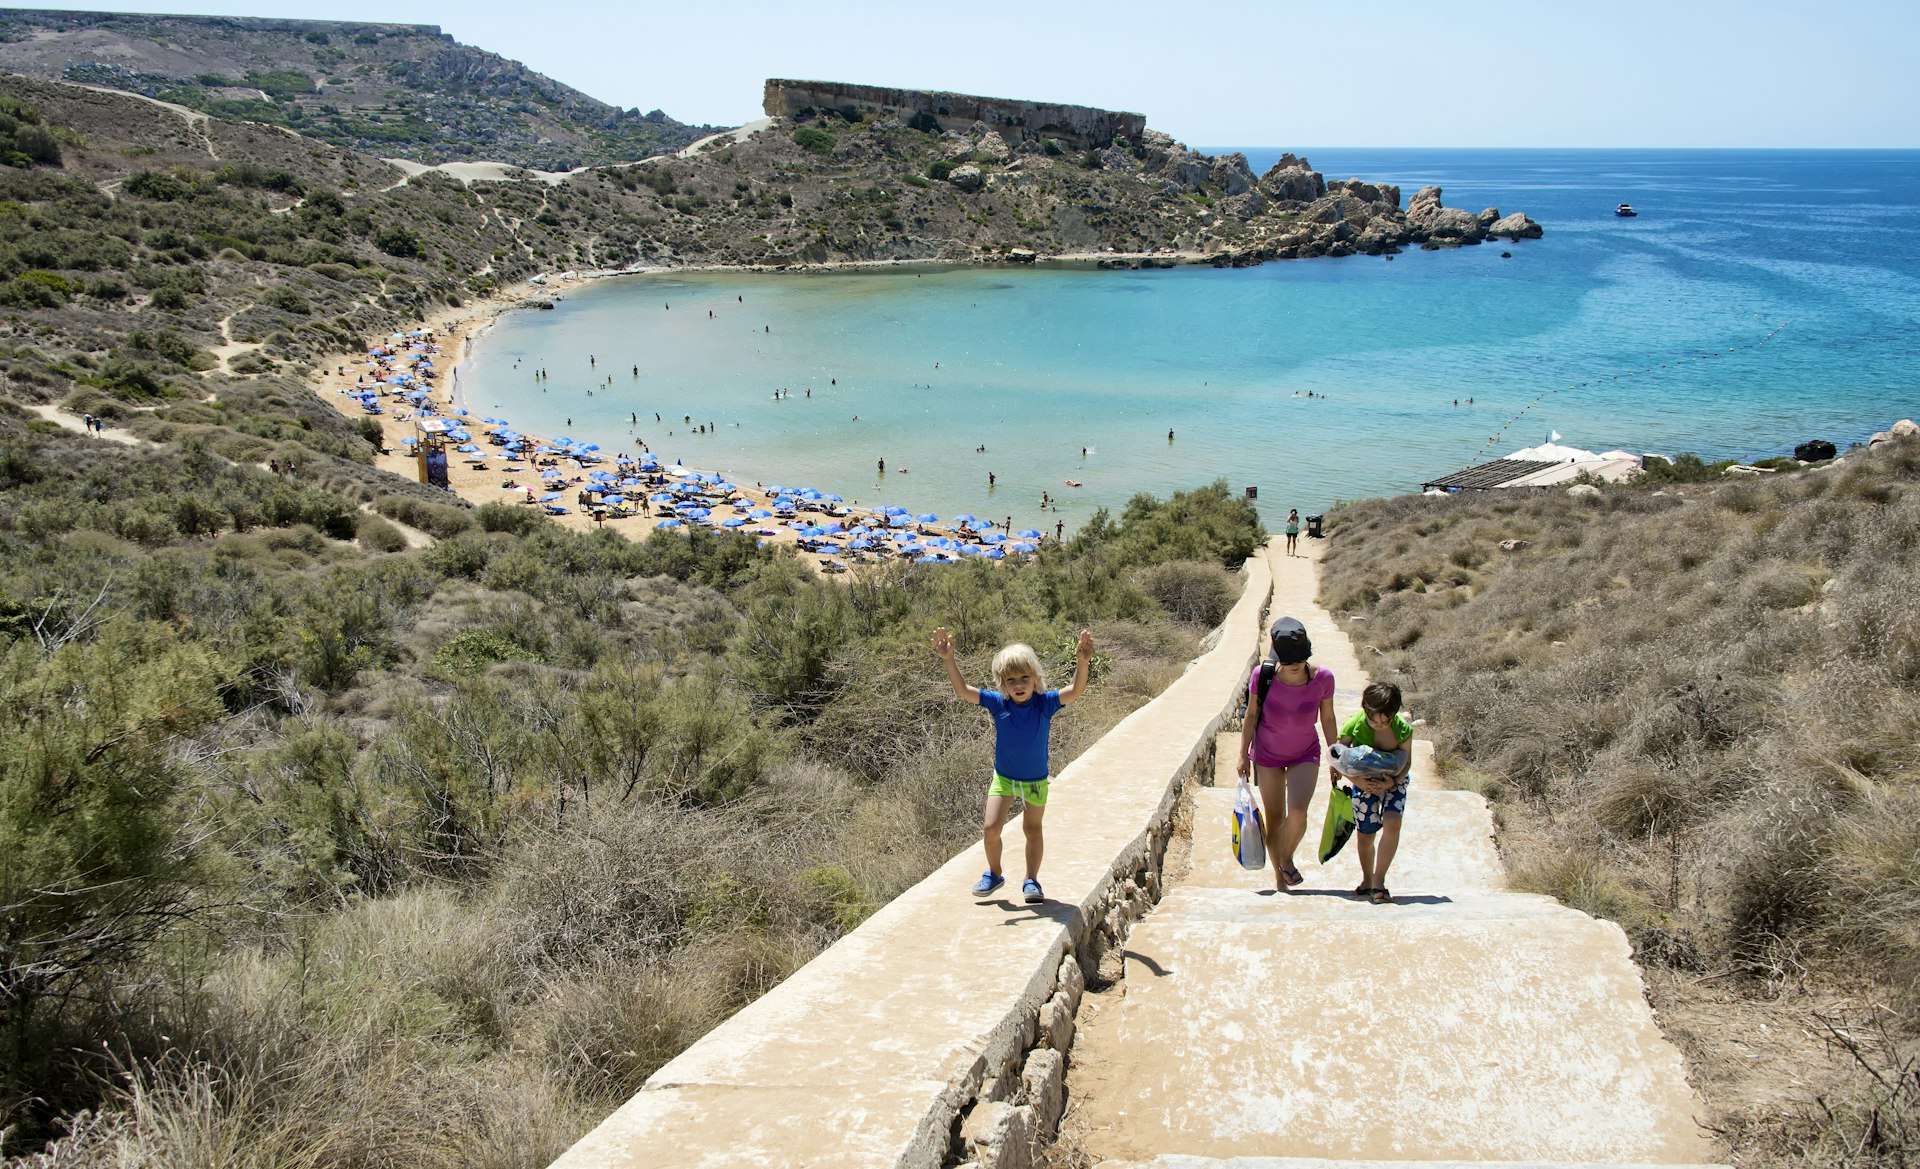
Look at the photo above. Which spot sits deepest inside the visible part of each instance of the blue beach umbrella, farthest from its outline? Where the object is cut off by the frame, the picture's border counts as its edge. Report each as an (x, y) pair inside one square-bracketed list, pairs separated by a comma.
[(1028, 534), (760, 513), (549, 497), (667, 524), (614, 500), (661, 497), (995, 554), (1023, 547), (550, 473), (467, 449), (995, 538), (735, 522), (963, 519), (927, 517), (899, 521), (835, 499), (563, 440)]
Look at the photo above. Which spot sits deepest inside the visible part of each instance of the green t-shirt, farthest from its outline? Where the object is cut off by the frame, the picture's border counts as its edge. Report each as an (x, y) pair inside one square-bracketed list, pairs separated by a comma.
[(1358, 731)]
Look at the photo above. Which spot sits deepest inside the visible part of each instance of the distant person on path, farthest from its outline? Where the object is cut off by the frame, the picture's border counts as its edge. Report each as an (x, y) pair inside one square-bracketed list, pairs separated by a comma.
[(1293, 529), (1379, 801), (1022, 716), (1287, 696)]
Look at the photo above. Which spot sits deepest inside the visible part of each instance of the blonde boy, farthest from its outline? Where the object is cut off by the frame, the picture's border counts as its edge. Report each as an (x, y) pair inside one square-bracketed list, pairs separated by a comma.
[(1022, 716)]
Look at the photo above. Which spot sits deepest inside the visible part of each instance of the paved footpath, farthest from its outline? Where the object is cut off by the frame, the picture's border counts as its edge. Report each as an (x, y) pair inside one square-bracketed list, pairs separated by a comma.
[(1460, 1024)]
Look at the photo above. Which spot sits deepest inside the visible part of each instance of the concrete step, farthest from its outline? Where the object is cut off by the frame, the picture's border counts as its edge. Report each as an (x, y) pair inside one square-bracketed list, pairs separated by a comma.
[(1385, 1038), (1258, 904), (1187, 1162), (1446, 845)]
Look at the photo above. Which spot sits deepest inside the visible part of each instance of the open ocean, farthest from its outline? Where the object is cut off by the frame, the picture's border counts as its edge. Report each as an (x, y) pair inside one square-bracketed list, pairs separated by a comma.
[(1761, 298)]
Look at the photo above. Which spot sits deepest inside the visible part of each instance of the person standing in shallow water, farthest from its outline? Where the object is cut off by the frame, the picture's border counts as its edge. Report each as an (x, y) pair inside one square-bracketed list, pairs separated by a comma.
[(1293, 529)]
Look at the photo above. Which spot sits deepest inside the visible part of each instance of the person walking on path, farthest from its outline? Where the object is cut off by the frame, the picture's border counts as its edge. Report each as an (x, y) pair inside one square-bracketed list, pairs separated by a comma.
[(1293, 529), (1288, 698), (1022, 716), (1379, 801)]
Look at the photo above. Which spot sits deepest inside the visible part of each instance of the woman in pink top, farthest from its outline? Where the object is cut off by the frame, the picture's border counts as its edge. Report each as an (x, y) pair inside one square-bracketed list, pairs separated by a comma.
[(1280, 739)]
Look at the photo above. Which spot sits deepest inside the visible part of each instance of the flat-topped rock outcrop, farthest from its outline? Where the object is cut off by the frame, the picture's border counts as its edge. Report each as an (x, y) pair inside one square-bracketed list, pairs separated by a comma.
[(934, 110)]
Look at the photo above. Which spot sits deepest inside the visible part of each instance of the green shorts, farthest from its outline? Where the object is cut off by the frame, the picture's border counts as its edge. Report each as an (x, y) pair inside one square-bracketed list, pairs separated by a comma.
[(1033, 791)]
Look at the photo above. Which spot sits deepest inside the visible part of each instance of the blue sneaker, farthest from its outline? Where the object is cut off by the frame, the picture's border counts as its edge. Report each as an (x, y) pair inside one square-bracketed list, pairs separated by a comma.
[(987, 883), (1031, 891)]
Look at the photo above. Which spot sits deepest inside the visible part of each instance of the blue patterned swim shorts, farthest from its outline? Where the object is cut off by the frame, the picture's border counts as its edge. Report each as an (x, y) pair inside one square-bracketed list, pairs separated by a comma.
[(1370, 810)]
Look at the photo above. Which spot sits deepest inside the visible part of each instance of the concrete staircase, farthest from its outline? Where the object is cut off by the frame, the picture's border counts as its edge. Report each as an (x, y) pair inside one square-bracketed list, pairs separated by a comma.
[(1459, 1024)]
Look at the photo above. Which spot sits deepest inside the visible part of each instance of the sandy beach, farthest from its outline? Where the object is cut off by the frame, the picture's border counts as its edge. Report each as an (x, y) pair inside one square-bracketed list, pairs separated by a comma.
[(446, 338)]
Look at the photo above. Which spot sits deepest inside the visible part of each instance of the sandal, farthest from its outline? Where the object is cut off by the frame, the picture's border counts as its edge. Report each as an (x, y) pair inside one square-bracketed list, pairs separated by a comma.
[(1380, 896), (1290, 876), (1362, 889)]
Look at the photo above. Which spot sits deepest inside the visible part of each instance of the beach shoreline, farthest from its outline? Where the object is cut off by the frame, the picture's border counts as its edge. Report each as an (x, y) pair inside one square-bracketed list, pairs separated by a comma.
[(457, 329), (453, 332)]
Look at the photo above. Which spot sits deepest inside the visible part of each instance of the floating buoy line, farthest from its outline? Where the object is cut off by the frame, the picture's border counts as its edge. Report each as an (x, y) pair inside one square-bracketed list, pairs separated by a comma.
[(1494, 439)]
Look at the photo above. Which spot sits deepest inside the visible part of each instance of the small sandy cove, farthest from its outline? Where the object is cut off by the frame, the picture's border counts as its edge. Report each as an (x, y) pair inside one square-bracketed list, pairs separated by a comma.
[(443, 339)]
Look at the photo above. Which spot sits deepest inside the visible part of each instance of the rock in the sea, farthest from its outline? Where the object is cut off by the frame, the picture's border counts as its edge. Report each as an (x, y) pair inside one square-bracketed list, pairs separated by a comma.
[(1515, 226), (1487, 216), (1451, 223), (1817, 450), (967, 178), (1900, 429)]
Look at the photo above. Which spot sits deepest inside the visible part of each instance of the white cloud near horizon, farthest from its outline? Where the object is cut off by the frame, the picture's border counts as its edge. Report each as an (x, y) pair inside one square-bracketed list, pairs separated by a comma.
[(1687, 73)]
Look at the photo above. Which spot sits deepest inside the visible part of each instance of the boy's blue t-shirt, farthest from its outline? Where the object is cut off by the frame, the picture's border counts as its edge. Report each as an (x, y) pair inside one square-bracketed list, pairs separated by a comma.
[(1020, 732)]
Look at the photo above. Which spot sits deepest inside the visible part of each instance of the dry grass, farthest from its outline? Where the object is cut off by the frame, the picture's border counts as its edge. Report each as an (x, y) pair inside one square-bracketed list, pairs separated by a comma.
[(1695, 710)]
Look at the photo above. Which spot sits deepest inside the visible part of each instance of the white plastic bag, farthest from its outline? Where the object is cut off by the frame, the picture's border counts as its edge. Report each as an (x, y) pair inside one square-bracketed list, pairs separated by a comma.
[(1249, 829)]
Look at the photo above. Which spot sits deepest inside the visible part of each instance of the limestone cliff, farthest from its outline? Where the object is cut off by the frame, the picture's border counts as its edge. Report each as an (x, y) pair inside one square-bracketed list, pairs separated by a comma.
[(1025, 121)]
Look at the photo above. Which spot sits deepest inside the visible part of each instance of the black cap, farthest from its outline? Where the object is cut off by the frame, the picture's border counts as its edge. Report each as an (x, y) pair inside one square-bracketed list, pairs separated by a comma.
[(1290, 642)]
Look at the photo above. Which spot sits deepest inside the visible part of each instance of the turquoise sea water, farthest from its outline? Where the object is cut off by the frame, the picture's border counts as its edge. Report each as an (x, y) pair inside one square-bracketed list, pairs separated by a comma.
[(1650, 334)]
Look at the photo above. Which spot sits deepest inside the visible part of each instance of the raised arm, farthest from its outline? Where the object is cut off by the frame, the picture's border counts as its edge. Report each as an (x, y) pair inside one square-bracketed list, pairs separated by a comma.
[(943, 645), (1082, 654)]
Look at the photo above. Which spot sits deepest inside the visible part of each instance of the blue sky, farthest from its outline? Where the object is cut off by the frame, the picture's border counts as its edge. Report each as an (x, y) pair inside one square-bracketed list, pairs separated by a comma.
[(1684, 73)]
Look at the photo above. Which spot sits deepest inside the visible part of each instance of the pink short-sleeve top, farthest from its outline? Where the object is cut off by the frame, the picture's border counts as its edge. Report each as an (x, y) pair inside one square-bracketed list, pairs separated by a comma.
[(1289, 730)]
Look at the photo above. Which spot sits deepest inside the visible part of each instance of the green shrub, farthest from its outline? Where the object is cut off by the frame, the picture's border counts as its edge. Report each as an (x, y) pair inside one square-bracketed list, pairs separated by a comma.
[(507, 517), (379, 535), (814, 139), (1188, 591), (939, 171), (466, 654)]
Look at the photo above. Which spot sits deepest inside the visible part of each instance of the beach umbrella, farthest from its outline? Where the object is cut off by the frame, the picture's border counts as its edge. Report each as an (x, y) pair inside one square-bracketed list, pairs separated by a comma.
[(835, 499), (614, 500), (724, 486), (661, 497), (563, 440), (667, 524), (589, 446), (899, 521), (550, 473), (776, 491), (995, 554), (461, 412), (467, 449), (735, 522), (833, 529), (929, 560), (997, 538), (600, 476), (1028, 534), (860, 543), (760, 513), (810, 495), (698, 513), (1023, 547), (631, 483), (963, 519), (927, 517), (459, 436), (549, 497)]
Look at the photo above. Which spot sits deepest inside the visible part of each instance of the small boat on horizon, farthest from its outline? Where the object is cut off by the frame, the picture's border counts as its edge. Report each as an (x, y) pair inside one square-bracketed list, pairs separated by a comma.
[(1626, 211)]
